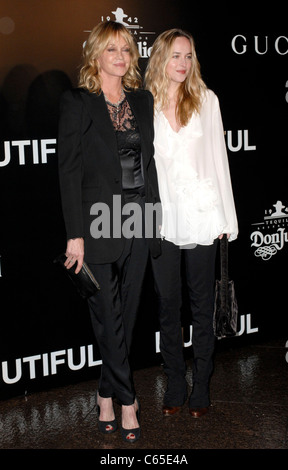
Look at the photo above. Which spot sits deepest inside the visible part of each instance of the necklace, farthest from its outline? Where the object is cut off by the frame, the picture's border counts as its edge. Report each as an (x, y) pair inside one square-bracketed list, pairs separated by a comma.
[(114, 108), (116, 105)]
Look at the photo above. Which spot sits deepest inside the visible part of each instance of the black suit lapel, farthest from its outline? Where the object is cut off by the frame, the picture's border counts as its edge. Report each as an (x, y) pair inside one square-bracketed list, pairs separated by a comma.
[(138, 104), (96, 107)]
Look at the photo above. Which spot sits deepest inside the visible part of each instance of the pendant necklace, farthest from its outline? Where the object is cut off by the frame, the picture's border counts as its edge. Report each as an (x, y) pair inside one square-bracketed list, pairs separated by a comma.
[(115, 106)]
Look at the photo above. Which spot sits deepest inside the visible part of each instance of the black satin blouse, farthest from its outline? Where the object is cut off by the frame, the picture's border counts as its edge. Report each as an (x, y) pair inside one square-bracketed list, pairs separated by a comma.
[(129, 144)]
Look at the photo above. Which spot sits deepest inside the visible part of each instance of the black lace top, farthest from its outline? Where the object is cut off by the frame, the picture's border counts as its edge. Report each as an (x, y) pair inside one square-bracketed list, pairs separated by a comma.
[(129, 143)]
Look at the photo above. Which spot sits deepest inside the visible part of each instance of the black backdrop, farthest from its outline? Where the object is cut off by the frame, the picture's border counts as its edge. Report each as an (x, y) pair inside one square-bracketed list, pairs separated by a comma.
[(45, 335)]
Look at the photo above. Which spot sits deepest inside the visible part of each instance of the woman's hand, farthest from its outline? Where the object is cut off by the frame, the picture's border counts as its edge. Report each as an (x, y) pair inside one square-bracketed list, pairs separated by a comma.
[(75, 252)]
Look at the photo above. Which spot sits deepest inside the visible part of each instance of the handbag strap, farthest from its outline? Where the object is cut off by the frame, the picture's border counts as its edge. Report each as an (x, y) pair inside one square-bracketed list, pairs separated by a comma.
[(224, 285), (224, 258)]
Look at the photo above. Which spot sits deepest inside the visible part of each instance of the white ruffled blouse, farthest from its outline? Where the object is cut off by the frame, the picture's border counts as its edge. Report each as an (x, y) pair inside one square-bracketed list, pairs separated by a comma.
[(194, 178)]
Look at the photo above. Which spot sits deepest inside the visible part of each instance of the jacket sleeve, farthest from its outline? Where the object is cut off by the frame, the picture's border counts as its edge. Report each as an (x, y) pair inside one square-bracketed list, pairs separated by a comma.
[(70, 162), (152, 166)]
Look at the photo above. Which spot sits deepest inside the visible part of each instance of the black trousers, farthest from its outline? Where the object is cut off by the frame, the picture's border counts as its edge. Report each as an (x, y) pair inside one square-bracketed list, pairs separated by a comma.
[(200, 278), (113, 313)]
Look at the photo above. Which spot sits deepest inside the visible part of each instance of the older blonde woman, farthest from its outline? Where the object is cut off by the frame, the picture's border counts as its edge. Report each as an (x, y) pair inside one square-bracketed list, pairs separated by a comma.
[(106, 151), (197, 205)]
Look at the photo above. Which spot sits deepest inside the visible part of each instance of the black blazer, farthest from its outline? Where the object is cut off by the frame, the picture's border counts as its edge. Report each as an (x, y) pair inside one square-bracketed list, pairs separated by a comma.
[(90, 170)]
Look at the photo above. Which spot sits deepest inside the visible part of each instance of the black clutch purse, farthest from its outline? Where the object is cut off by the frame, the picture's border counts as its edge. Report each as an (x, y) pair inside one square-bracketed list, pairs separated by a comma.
[(225, 306), (84, 281)]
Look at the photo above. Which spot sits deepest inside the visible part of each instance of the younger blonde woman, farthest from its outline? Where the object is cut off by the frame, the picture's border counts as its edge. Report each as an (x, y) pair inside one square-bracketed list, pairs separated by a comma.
[(197, 207)]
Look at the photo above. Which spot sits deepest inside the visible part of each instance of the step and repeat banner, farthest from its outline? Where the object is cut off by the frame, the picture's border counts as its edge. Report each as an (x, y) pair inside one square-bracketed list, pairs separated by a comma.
[(45, 334)]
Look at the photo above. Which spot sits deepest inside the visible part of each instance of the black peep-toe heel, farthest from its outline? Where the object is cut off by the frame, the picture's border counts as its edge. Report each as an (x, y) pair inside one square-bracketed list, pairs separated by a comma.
[(132, 435), (106, 427)]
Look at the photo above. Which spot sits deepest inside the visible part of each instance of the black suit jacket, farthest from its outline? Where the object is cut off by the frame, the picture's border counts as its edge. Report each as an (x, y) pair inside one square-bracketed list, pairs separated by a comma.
[(90, 170)]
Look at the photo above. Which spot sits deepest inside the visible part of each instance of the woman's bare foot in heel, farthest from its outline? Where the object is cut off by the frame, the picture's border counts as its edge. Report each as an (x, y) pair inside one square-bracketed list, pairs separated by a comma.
[(106, 416), (130, 429)]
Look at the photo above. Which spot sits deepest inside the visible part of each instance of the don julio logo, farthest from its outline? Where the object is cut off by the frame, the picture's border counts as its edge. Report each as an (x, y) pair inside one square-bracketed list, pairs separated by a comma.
[(132, 23), (271, 235), (142, 36)]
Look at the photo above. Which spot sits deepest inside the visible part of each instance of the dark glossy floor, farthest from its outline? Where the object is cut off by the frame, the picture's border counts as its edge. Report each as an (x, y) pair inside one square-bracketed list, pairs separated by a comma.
[(249, 391)]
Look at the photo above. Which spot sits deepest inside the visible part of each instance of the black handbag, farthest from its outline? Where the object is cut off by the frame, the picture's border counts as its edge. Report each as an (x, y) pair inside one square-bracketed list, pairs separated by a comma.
[(225, 305), (84, 281)]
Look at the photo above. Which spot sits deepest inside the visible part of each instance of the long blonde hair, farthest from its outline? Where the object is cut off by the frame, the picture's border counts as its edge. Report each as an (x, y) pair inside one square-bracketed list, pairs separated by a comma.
[(98, 40), (190, 92)]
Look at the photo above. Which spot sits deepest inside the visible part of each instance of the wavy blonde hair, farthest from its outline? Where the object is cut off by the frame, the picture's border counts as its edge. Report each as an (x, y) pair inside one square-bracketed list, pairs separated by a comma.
[(190, 92), (98, 40)]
